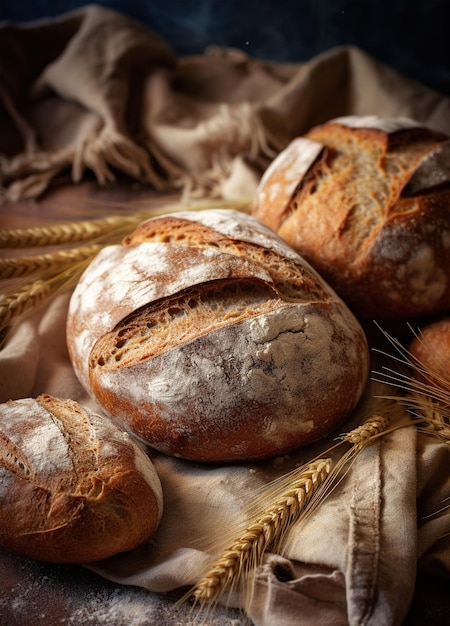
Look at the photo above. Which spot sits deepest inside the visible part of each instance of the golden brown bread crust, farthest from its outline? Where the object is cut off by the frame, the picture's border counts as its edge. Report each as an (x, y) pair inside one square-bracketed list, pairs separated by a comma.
[(431, 348), (229, 346), (371, 213), (74, 488)]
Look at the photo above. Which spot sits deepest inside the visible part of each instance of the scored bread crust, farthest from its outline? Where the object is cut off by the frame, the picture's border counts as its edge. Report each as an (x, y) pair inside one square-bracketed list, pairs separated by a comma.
[(74, 488), (242, 352), (370, 211)]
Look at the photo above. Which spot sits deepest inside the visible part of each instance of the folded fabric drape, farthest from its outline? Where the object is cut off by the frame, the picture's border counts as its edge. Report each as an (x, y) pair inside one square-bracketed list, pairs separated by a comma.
[(95, 91)]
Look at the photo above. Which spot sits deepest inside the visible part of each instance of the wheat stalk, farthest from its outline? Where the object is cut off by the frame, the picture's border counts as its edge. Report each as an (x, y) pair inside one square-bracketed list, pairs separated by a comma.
[(84, 230), (23, 299), (434, 420), (29, 296), (54, 271), (425, 394), (57, 270), (430, 415), (16, 267), (262, 534), (65, 233), (288, 500), (62, 268)]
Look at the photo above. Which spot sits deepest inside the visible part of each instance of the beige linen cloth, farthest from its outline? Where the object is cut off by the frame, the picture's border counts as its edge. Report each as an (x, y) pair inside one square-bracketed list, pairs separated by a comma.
[(93, 91), (106, 95)]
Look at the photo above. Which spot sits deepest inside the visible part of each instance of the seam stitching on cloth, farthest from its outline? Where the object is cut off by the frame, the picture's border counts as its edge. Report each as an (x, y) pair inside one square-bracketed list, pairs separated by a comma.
[(364, 540)]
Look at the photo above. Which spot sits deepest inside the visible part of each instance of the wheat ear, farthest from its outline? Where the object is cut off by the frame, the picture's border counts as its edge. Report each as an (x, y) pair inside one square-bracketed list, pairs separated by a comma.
[(65, 233), (430, 415), (31, 295), (63, 268), (288, 500), (264, 533), (373, 427), (425, 394), (84, 230), (16, 267), (23, 299)]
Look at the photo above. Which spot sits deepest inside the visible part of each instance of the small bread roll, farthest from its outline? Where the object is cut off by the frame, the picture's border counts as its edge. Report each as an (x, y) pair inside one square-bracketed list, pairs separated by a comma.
[(74, 488), (431, 347), (212, 340), (367, 202)]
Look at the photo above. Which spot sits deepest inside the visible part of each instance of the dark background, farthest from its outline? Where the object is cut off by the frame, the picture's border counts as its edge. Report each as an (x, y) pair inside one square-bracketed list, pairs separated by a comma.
[(412, 36)]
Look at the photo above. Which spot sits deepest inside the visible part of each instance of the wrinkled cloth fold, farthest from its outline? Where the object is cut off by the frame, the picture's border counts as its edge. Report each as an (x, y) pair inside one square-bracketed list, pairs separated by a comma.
[(94, 91)]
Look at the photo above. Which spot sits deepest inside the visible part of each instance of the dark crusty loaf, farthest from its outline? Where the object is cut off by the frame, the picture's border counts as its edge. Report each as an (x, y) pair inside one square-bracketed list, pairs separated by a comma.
[(212, 340), (367, 202), (74, 488)]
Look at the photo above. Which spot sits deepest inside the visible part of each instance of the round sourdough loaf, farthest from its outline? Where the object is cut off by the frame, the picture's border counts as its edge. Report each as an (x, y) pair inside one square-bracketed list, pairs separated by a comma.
[(430, 350), (211, 339), (367, 202), (73, 487)]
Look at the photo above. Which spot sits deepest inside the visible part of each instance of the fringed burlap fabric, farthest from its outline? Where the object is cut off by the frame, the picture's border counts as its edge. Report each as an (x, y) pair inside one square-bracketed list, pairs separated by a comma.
[(94, 91)]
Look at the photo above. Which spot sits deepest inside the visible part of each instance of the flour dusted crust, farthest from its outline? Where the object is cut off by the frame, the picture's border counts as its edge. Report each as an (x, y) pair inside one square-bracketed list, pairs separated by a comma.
[(386, 125), (124, 278), (371, 213), (224, 345), (73, 487)]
